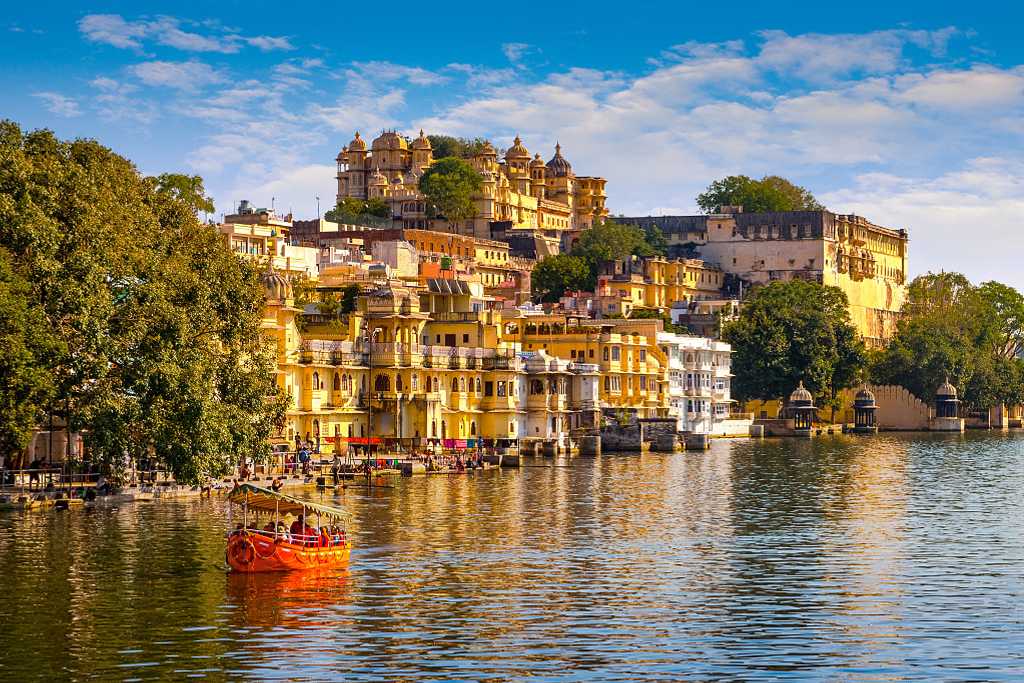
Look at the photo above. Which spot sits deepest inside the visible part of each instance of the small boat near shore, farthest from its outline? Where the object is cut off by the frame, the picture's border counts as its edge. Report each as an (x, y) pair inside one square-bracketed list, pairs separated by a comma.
[(275, 547)]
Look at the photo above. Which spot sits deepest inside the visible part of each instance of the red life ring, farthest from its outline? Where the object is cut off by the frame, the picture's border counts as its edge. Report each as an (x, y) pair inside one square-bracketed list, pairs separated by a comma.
[(243, 552)]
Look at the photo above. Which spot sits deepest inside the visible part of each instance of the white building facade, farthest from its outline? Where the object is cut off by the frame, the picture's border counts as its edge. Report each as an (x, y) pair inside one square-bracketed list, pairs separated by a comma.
[(699, 380)]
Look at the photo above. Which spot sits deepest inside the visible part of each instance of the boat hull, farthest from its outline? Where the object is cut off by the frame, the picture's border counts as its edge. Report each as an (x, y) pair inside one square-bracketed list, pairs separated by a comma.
[(252, 552)]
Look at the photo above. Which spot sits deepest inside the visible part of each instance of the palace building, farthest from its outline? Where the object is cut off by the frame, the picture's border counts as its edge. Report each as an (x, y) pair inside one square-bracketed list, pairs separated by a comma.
[(519, 190), (867, 261)]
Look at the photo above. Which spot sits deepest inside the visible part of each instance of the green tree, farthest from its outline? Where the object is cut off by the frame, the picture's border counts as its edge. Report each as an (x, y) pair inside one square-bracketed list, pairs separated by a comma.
[(555, 275), (349, 299), (352, 210), (449, 186), (608, 241), (163, 354), (28, 342), (792, 331), (447, 146), (186, 188), (952, 329), (655, 239), (770, 193)]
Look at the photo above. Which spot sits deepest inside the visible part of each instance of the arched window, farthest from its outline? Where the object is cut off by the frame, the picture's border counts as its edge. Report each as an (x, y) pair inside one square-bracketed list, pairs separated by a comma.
[(472, 428), (415, 382), (337, 382), (455, 386), (607, 384), (382, 383), (433, 428), (478, 385), (398, 383), (604, 354), (536, 386), (316, 381), (462, 384), (346, 383)]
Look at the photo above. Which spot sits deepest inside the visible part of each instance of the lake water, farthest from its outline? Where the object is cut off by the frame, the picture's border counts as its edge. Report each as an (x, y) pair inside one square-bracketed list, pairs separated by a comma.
[(895, 557)]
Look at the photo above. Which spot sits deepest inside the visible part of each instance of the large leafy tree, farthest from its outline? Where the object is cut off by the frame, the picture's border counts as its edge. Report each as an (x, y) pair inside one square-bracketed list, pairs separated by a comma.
[(160, 351), (27, 390), (952, 329), (555, 275), (449, 186), (792, 331), (186, 188), (770, 193)]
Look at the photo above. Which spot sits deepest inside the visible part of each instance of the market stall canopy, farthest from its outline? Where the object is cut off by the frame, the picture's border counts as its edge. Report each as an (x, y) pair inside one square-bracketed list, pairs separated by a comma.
[(265, 500)]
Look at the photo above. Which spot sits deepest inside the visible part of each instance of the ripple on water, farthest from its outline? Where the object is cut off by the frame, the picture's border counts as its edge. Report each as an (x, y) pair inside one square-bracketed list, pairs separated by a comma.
[(896, 557)]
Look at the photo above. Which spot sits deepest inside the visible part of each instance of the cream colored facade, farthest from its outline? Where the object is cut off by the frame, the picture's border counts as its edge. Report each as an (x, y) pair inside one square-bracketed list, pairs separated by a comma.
[(520, 190), (867, 261)]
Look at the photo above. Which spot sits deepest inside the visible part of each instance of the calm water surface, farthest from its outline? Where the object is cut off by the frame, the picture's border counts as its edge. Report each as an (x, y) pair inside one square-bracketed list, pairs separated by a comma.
[(889, 558)]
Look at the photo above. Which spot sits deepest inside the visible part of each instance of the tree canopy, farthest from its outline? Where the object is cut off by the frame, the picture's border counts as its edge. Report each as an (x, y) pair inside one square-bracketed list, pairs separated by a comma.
[(355, 211), (449, 185), (186, 188), (555, 275), (770, 193), (792, 331), (951, 328), (448, 146), (143, 320)]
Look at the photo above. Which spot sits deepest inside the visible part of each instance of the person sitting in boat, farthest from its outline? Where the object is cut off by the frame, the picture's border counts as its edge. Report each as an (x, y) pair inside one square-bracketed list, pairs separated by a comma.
[(282, 532), (337, 535), (277, 484), (269, 529), (298, 527)]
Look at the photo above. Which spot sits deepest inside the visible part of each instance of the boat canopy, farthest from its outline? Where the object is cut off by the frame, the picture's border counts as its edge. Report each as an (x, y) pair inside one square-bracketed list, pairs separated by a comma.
[(266, 500)]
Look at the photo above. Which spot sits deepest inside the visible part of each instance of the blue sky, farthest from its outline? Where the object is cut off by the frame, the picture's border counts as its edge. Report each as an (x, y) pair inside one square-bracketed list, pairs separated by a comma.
[(909, 113)]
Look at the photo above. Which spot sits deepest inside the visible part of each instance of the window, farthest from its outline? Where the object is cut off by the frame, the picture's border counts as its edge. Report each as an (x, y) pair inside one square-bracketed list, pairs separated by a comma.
[(478, 385), (465, 339), (382, 383), (398, 383), (591, 354), (616, 353), (607, 384), (604, 354), (572, 353), (337, 382), (316, 381), (415, 382), (643, 381), (455, 385), (488, 388), (501, 388), (643, 355), (462, 384)]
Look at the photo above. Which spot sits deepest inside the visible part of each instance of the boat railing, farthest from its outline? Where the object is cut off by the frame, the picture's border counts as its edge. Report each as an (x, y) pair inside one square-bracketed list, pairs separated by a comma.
[(308, 540)]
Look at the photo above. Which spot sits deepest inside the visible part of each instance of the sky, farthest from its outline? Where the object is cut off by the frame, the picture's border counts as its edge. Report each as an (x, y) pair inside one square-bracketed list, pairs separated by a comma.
[(908, 113)]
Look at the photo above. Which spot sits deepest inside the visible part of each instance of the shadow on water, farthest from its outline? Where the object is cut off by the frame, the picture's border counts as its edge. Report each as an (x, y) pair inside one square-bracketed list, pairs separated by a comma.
[(864, 558)]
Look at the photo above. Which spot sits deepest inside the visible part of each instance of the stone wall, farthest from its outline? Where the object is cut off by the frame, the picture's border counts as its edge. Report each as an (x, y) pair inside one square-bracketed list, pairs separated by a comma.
[(898, 409)]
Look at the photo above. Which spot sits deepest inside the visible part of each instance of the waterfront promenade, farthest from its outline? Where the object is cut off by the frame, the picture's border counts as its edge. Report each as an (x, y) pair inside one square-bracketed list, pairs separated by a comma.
[(854, 558)]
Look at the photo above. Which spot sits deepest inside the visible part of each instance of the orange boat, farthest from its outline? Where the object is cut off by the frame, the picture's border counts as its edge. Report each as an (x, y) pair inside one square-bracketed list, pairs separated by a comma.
[(273, 548)]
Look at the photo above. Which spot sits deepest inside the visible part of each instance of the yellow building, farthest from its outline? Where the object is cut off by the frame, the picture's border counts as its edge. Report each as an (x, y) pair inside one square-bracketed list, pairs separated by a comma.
[(521, 191), (631, 364), (655, 283)]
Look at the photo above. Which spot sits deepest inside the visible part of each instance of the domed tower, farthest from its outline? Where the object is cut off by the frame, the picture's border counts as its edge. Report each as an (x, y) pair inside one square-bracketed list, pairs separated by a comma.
[(390, 151), (538, 176), (422, 152), (864, 408), (947, 403), (559, 166), (352, 169), (517, 158), (276, 288), (801, 408), (486, 159)]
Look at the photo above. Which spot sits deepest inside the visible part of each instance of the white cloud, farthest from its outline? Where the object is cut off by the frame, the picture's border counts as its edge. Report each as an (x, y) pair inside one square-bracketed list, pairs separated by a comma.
[(514, 52), (821, 58), (115, 30), (112, 29), (294, 188), (976, 88), (58, 104), (270, 43), (387, 71), (187, 76)]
